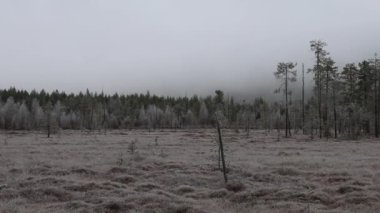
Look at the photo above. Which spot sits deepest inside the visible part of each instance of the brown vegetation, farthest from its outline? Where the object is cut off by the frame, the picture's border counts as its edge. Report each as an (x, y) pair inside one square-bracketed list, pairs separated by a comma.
[(79, 172)]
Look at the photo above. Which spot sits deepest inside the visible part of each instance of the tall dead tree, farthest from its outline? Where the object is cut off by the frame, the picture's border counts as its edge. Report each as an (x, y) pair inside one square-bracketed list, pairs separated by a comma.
[(303, 99), (376, 94), (286, 74), (334, 88), (92, 109), (104, 106), (221, 151), (219, 116)]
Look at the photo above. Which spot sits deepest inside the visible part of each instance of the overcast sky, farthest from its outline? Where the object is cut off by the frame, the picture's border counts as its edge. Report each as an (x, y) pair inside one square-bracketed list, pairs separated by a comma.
[(175, 47)]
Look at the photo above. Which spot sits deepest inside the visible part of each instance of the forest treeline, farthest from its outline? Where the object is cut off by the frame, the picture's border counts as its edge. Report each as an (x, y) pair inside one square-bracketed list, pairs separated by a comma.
[(20, 109), (345, 102)]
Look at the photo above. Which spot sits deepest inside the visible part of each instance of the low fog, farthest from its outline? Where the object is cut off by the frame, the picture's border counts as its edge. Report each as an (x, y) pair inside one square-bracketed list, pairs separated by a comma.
[(175, 47)]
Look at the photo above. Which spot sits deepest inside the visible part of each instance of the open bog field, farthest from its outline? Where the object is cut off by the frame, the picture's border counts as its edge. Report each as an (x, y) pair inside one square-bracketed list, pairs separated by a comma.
[(177, 171)]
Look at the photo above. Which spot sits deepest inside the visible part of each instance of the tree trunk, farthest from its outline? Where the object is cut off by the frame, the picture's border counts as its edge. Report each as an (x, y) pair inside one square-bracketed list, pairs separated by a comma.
[(222, 152), (286, 103), (377, 93), (104, 118), (376, 102), (303, 99), (334, 103), (327, 129), (92, 116), (248, 124), (319, 95), (48, 124)]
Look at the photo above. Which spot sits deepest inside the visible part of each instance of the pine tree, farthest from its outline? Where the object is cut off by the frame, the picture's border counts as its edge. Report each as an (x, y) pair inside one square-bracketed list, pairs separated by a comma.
[(349, 78), (364, 87), (317, 46), (286, 74), (330, 73), (203, 114), (37, 114)]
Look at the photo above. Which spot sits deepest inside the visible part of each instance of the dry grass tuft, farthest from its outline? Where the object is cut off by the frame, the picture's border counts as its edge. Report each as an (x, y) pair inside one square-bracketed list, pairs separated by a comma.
[(235, 186), (126, 179), (76, 206), (46, 195), (348, 189), (118, 170), (146, 187), (113, 207), (13, 206), (15, 171), (83, 187), (184, 189), (83, 171), (287, 171), (221, 193)]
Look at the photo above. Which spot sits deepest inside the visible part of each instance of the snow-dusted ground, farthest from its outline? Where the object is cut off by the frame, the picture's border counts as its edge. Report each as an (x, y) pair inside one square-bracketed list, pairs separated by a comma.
[(172, 171)]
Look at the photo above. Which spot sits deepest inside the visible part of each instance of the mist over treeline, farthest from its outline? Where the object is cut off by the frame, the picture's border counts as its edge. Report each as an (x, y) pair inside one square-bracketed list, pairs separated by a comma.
[(21, 109), (338, 102)]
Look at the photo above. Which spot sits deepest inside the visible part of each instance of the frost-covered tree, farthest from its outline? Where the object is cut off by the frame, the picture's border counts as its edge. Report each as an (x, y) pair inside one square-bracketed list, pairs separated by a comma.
[(48, 118), (286, 74), (329, 76), (70, 120), (56, 113), (22, 119), (190, 119), (66, 121), (349, 78), (318, 47), (203, 114), (143, 119), (37, 114), (154, 115), (8, 112), (168, 119), (113, 122)]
